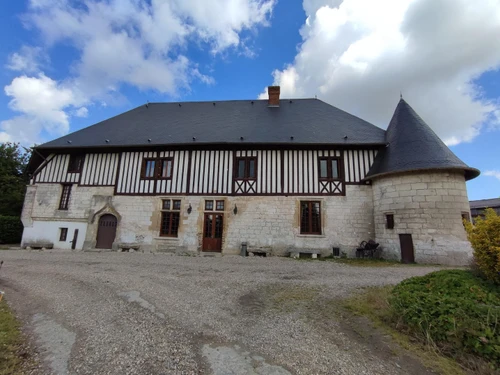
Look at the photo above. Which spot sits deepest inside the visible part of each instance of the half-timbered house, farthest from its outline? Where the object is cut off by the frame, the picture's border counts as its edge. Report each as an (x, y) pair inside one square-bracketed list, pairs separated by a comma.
[(279, 175)]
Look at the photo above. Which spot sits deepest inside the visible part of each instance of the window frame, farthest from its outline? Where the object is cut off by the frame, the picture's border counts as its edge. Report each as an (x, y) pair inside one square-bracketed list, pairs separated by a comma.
[(209, 201), (389, 220), (144, 168), (247, 168), (329, 171), (65, 198), (223, 205), (77, 159), (157, 168), (172, 212), (310, 231), (63, 234)]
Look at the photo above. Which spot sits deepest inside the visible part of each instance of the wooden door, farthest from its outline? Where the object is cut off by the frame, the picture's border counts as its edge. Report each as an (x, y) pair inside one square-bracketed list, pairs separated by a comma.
[(212, 232), (407, 251), (75, 238), (106, 232)]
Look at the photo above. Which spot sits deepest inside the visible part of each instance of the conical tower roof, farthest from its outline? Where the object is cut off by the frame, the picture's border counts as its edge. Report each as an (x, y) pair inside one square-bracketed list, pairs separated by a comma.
[(413, 146)]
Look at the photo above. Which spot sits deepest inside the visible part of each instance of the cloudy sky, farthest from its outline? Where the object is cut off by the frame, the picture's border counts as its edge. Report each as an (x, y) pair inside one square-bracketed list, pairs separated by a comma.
[(68, 64)]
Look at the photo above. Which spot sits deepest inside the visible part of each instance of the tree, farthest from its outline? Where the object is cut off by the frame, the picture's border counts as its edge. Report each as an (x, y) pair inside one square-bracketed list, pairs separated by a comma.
[(484, 237), (13, 179)]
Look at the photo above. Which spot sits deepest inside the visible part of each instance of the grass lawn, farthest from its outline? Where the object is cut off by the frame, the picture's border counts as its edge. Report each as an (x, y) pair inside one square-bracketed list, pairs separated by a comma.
[(10, 342)]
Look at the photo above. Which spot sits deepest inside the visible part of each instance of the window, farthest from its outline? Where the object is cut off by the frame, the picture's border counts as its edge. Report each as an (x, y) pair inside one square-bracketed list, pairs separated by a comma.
[(219, 205), (75, 164), (65, 195), (148, 169), (246, 168), (170, 219), (165, 168), (329, 169), (63, 234), (310, 217), (160, 168), (465, 216), (209, 205), (389, 221)]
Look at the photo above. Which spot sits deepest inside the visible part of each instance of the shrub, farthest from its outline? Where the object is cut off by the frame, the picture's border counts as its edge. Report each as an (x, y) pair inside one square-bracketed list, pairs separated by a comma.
[(484, 237), (11, 229), (454, 309)]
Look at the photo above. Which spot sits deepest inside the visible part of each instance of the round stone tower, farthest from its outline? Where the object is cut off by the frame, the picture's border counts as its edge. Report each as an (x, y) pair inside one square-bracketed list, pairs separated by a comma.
[(419, 194)]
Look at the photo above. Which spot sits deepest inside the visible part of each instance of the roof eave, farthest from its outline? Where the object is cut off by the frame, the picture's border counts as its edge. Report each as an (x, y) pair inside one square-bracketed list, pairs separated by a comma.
[(469, 173)]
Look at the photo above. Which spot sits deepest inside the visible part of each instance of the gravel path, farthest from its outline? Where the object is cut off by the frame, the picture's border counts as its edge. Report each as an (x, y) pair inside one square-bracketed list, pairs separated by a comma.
[(131, 313)]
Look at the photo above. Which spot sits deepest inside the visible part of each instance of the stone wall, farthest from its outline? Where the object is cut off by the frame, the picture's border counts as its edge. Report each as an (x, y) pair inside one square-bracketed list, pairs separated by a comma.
[(263, 221), (429, 206)]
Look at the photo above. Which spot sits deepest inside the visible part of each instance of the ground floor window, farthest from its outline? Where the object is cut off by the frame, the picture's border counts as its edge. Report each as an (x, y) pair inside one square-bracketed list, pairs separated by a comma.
[(63, 234), (310, 217), (389, 221), (170, 218)]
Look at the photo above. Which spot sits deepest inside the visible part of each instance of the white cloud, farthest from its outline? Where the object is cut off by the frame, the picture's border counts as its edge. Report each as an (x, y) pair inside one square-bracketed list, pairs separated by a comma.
[(42, 103), (141, 43), (492, 173), (360, 54), (81, 112), (27, 60)]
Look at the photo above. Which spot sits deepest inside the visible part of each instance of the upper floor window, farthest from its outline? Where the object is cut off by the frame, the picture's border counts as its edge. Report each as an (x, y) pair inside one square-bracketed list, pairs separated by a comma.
[(65, 195), (158, 168), (329, 168), (246, 168), (75, 164)]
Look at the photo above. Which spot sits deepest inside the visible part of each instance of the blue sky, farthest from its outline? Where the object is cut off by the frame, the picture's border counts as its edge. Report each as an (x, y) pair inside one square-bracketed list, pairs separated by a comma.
[(70, 64)]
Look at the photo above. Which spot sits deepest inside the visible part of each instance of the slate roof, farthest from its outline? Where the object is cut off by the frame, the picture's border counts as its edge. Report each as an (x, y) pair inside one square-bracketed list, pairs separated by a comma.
[(412, 146), (485, 203), (308, 121)]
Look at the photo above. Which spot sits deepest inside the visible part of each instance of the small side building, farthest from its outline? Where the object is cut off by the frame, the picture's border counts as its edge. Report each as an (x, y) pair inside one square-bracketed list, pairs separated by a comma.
[(478, 207)]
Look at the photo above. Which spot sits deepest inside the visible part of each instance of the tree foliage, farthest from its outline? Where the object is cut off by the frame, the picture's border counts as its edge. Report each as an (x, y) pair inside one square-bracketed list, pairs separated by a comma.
[(484, 237), (13, 180)]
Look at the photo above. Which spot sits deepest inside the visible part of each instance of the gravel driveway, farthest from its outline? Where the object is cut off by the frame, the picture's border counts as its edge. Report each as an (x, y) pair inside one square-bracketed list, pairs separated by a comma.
[(132, 313)]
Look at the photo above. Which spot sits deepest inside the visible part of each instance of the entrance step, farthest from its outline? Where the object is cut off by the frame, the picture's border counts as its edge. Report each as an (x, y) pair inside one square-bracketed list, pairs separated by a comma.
[(210, 254)]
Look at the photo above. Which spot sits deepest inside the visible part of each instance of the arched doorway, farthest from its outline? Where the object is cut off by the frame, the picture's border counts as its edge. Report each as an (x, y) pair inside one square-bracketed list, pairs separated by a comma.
[(106, 231)]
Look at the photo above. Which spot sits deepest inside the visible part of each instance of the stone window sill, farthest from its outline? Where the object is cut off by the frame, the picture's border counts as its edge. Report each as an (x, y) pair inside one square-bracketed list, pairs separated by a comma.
[(311, 235), (166, 238)]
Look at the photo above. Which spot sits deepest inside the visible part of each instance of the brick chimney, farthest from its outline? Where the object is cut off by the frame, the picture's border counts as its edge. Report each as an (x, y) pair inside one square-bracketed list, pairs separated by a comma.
[(274, 96)]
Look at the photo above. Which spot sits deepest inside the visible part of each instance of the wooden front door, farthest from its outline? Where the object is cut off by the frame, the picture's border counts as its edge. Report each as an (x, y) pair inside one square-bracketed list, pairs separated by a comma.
[(106, 232), (407, 251), (212, 232)]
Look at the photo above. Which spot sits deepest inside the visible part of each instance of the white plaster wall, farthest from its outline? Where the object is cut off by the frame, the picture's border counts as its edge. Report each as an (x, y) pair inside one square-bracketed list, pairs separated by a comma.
[(49, 231), (428, 206)]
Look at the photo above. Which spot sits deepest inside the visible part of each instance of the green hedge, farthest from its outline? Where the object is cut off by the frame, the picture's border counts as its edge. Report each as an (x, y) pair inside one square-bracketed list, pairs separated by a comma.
[(11, 229), (454, 309)]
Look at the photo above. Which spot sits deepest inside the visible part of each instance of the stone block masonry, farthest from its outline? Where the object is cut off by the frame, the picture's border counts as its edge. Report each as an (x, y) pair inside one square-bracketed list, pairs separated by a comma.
[(271, 222), (429, 206)]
